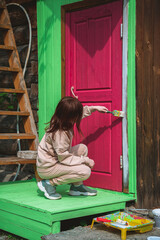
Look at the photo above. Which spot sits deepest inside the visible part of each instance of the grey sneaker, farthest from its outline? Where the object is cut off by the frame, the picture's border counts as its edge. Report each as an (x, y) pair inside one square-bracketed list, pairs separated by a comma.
[(81, 190), (49, 190)]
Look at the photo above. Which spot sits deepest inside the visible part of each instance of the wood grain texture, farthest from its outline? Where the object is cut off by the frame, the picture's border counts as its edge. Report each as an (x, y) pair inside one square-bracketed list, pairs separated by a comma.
[(15, 160), (9, 90), (9, 69), (148, 102), (14, 113), (17, 136), (33, 215), (10, 48)]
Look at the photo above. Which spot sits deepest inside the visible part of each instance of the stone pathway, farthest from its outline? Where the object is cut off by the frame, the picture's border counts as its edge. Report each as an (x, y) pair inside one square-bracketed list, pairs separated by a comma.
[(99, 232)]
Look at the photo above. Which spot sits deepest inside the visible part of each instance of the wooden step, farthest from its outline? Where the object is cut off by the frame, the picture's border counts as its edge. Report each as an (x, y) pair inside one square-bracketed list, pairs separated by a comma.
[(9, 48), (14, 113), (15, 160), (2, 4), (9, 69), (10, 90), (5, 26), (5, 136), (2, 7)]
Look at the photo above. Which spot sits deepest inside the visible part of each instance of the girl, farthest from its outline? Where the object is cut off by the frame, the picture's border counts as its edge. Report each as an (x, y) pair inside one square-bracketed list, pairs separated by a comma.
[(58, 162)]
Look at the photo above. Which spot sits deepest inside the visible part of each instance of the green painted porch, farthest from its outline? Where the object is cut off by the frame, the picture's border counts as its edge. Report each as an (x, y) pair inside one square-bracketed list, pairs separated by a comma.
[(25, 212)]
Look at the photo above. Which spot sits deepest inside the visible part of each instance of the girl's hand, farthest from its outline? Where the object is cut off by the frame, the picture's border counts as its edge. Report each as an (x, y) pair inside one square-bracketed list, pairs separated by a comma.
[(91, 163), (101, 109)]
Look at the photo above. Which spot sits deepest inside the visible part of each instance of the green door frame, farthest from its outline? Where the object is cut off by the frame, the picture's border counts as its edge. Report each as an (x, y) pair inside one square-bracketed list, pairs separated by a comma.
[(49, 71)]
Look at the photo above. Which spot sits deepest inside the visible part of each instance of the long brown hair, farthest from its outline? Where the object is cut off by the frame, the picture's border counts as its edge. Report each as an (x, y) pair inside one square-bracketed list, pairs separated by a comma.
[(68, 112)]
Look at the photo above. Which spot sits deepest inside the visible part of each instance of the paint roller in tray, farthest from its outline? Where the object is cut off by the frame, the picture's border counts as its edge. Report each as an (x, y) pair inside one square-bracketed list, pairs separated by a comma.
[(117, 113)]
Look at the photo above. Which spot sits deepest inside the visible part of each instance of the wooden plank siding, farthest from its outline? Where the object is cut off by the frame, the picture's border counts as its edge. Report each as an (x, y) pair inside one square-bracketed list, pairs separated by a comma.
[(148, 102)]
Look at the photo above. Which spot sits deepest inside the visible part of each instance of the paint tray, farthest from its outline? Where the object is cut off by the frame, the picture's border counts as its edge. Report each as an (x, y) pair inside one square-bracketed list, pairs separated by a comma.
[(125, 222)]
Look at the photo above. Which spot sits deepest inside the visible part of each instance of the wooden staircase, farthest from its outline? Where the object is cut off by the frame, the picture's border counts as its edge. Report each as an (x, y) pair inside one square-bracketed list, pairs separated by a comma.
[(8, 45)]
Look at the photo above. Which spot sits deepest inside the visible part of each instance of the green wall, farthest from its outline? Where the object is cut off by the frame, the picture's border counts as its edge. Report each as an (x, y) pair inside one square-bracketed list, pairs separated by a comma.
[(49, 58), (131, 100), (49, 69)]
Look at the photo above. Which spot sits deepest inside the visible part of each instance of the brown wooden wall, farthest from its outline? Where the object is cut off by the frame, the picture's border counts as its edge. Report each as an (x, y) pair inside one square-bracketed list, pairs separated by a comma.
[(148, 102)]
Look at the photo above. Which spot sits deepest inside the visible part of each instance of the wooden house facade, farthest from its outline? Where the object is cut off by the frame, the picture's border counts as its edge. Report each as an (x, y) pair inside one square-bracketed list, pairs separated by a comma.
[(107, 53), (138, 33), (140, 84)]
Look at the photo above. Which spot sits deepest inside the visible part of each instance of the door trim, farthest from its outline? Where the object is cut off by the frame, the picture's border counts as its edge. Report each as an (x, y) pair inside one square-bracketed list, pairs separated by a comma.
[(124, 98)]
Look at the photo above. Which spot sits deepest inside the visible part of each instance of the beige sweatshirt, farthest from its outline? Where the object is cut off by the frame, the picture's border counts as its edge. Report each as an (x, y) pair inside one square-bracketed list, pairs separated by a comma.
[(55, 151)]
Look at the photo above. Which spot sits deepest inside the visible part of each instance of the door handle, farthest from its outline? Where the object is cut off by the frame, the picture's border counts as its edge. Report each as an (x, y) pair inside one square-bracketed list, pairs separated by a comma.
[(72, 91)]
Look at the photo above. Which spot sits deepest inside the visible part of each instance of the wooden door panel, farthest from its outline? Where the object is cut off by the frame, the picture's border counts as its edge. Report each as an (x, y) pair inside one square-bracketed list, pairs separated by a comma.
[(97, 136), (95, 38), (94, 68)]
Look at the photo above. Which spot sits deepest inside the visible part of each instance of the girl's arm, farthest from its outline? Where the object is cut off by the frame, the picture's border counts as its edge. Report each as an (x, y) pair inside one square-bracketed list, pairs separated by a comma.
[(88, 110)]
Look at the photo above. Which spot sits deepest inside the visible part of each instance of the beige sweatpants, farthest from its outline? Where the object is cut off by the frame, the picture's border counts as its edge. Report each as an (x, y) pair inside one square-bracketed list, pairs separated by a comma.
[(61, 174)]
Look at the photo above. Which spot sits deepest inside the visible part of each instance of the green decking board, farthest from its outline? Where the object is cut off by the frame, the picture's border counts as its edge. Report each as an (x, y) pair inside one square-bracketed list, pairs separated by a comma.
[(25, 211)]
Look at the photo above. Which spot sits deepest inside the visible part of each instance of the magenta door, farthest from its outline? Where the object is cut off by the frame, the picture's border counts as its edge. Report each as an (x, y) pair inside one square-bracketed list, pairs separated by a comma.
[(94, 68)]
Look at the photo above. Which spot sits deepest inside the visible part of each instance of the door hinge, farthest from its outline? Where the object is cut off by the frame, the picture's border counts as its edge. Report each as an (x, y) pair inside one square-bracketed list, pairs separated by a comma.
[(121, 161), (121, 30)]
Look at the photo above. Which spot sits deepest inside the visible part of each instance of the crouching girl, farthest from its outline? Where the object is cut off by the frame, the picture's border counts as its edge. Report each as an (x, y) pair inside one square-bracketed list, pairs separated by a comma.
[(58, 162)]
